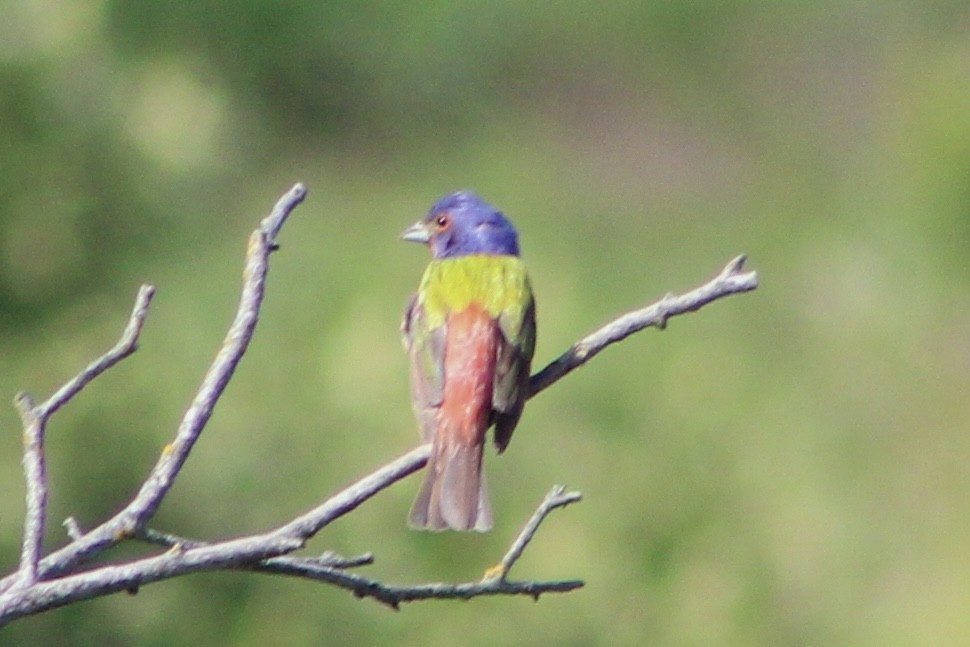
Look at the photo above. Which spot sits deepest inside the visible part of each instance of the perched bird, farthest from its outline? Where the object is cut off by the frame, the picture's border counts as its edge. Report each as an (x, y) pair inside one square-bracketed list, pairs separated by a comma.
[(470, 333)]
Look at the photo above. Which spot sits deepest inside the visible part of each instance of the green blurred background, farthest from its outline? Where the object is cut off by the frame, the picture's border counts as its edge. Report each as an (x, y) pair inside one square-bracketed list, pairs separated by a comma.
[(788, 467)]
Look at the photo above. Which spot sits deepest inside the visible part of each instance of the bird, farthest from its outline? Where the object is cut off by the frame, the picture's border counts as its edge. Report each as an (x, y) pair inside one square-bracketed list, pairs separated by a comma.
[(470, 334)]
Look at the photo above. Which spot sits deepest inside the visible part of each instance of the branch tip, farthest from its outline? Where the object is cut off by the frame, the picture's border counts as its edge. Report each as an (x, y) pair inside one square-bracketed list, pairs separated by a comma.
[(146, 291), (736, 265), (270, 225)]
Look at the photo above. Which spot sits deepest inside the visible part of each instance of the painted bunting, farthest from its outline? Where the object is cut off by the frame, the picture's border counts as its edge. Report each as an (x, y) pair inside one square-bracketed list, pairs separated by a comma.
[(470, 333)]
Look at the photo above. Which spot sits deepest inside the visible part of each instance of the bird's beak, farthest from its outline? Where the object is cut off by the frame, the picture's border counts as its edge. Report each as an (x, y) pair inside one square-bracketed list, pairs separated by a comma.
[(417, 233)]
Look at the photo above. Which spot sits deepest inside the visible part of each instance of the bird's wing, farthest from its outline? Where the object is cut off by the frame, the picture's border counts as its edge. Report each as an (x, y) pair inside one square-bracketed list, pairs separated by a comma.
[(426, 352), (512, 366)]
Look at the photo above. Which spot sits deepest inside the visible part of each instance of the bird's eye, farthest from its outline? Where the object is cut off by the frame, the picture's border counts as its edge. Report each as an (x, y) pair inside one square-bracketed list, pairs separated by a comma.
[(443, 221)]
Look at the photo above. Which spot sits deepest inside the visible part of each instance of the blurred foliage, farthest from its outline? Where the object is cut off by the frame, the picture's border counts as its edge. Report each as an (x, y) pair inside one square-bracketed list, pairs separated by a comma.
[(784, 468)]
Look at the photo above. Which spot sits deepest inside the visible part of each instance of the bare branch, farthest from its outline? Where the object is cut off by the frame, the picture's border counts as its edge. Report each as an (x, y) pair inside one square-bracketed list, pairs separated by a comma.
[(345, 501), (35, 419), (262, 242), (264, 553), (731, 280), (556, 498), (125, 523), (494, 582), (393, 595), (104, 580), (159, 481), (41, 584), (127, 344), (331, 569)]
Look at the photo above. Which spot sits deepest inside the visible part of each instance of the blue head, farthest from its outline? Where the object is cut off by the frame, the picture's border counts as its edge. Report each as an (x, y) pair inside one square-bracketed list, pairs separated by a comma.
[(461, 224)]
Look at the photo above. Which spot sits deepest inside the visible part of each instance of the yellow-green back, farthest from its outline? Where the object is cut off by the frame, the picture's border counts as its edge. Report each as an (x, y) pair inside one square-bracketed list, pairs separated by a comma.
[(499, 284)]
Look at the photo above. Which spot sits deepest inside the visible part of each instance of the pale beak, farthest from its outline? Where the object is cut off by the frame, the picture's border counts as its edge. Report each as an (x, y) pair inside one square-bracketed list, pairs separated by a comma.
[(417, 233)]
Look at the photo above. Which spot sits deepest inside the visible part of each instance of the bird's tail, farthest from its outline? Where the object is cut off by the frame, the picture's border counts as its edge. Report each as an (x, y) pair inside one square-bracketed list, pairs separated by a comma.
[(454, 494)]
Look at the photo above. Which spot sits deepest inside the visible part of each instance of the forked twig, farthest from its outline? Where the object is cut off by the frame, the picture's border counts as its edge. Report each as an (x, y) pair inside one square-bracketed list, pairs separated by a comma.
[(35, 419), (125, 523)]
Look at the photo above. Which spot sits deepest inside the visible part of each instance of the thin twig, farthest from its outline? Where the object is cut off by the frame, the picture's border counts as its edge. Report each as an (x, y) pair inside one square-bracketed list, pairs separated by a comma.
[(731, 280), (262, 243), (350, 497), (556, 498), (35, 417), (127, 344), (394, 595)]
